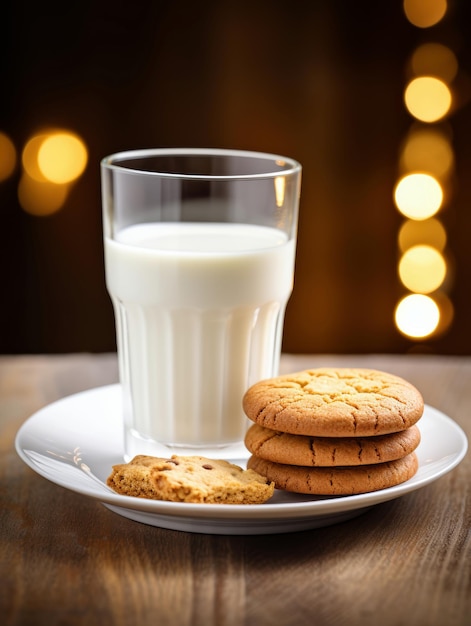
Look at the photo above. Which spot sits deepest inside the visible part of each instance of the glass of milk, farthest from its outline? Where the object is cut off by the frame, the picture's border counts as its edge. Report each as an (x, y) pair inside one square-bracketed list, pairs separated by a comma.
[(199, 257)]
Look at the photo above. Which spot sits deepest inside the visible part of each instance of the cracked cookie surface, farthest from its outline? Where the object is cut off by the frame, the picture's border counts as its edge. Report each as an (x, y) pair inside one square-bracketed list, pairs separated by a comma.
[(335, 402), (189, 479), (279, 447), (336, 481)]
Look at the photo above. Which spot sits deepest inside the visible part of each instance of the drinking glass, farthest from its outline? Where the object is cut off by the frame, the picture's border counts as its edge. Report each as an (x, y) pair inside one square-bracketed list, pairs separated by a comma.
[(199, 257)]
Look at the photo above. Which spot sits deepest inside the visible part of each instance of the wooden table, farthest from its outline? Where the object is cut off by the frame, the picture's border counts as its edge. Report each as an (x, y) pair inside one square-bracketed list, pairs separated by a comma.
[(65, 559)]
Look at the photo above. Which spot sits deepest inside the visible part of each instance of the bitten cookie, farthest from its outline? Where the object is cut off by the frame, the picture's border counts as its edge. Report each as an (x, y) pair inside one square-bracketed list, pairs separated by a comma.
[(189, 479), (273, 445), (340, 481), (335, 402)]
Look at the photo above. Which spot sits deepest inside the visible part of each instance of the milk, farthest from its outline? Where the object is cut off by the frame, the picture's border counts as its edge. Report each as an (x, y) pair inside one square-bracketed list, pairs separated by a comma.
[(199, 312)]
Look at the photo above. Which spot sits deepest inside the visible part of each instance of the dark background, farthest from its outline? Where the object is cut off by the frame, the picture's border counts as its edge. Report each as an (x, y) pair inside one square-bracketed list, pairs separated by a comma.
[(317, 80)]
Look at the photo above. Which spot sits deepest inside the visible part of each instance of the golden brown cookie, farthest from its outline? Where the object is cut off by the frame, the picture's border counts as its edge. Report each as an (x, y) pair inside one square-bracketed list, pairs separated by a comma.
[(336, 481), (189, 479), (335, 402), (279, 447)]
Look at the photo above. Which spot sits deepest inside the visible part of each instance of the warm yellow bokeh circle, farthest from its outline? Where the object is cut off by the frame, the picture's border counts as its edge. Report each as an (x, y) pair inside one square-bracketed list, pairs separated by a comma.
[(422, 269), (428, 98), (417, 316), (418, 196), (62, 157)]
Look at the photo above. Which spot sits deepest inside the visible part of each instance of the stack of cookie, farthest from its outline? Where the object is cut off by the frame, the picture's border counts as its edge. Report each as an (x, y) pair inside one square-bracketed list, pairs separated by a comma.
[(334, 431)]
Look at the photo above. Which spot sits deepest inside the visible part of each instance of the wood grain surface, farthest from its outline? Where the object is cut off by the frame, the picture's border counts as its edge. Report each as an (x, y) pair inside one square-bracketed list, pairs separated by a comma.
[(67, 560)]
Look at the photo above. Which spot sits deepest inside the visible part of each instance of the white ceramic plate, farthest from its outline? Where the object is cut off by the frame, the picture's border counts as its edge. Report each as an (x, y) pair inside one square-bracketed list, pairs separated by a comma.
[(75, 441)]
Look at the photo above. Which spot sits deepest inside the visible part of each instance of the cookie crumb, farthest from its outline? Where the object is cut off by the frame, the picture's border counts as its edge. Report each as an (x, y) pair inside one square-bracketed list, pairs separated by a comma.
[(190, 481)]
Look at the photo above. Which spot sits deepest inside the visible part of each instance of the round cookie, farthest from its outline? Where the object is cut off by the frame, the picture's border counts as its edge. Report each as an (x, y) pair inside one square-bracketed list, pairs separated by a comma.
[(335, 402), (343, 481), (273, 445)]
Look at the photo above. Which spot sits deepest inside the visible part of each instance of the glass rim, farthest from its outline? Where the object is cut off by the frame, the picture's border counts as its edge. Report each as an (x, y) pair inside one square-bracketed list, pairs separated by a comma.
[(113, 162)]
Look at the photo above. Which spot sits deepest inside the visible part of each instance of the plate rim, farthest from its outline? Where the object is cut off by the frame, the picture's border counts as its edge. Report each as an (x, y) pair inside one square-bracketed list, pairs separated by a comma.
[(254, 513)]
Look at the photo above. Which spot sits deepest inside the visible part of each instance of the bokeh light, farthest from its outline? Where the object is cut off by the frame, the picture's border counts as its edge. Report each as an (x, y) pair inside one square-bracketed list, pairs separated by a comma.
[(7, 157), (447, 312), (427, 150), (52, 160), (435, 59), (280, 188), (417, 316), (62, 157), (30, 156), (422, 269), (424, 13), (40, 197), (427, 98), (430, 232), (426, 164), (418, 196)]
